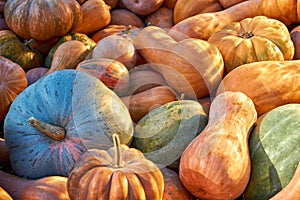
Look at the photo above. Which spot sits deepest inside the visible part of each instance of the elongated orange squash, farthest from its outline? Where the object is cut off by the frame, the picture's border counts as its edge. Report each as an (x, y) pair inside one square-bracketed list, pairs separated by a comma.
[(216, 164), (268, 83)]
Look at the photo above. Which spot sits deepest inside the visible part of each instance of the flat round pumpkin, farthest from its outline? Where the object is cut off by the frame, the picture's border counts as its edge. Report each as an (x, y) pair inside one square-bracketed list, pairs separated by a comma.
[(253, 39), (55, 120)]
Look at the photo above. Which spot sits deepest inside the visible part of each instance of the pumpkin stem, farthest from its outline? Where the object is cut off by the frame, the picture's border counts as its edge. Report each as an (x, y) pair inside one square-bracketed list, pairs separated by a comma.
[(246, 35), (54, 132), (118, 163)]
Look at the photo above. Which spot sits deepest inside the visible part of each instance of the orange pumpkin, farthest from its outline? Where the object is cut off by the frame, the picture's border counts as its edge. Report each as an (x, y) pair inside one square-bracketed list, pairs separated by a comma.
[(251, 40), (162, 18), (125, 17), (12, 82), (118, 173), (142, 7)]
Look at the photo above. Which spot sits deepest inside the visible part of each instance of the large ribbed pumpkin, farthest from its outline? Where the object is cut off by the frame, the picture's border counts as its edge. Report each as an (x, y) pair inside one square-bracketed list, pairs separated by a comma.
[(275, 151), (253, 39), (55, 120), (42, 20)]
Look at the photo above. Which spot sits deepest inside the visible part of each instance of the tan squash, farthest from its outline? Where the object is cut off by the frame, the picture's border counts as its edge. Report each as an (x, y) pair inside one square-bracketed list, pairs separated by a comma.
[(162, 18), (204, 24), (216, 164), (192, 67), (117, 48), (95, 14), (125, 17), (292, 190), (268, 83), (68, 55), (140, 104), (187, 8), (51, 187)]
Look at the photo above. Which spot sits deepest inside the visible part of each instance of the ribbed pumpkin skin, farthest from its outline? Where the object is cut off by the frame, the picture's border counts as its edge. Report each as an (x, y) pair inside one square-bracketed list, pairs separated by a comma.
[(81, 104), (42, 20), (12, 82), (11, 47), (164, 133), (95, 177), (274, 150), (253, 39)]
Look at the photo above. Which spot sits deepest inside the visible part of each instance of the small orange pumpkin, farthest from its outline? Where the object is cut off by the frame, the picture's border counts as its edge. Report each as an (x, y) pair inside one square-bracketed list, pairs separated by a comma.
[(125, 17), (118, 173)]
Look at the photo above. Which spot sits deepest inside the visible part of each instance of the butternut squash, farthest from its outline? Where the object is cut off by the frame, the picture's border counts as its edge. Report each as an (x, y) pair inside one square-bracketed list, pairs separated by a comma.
[(268, 83), (216, 164)]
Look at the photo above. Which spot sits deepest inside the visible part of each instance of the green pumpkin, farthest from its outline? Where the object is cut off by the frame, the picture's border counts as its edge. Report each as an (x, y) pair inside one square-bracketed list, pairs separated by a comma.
[(88, 42), (275, 151), (53, 121), (12, 48), (164, 133)]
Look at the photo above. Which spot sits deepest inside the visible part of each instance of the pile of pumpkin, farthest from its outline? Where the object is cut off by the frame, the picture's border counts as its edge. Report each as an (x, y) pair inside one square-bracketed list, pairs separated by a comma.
[(149, 99)]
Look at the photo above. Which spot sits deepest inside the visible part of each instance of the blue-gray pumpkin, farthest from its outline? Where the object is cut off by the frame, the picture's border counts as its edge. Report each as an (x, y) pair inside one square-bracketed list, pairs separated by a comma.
[(56, 119)]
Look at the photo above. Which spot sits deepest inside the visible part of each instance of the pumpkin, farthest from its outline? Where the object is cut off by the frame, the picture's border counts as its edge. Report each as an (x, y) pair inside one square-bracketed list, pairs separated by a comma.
[(203, 25), (187, 8), (3, 25), (19, 52), (274, 150), (88, 42), (142, 7), (141, 103), (95, 14), (51, 187), (251, 40), (164, 133), (114, 30), (4, 156), (4, 195), (12, 82), (192, 67), (111, 72), (55, 120), (112, 3), (142, 78), (2, 5), (292, 190), (229, 3), (295, 37), (216, 164), (118, 173), (31, 19), (43, 47), (117, 48), (173, 188), (125, 17), (68, 55), (268, 83), (162, 18), (35, 74)]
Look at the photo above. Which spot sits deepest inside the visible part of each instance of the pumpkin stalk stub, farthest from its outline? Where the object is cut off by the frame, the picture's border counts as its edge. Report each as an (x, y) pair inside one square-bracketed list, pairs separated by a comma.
[(117, 162), (54, 132), (247, 34)]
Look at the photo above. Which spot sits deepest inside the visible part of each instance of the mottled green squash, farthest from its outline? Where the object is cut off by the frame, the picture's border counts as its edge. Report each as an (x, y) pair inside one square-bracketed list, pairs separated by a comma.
[(164, 133), (88, 42), (13, 48), (274, 150)]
